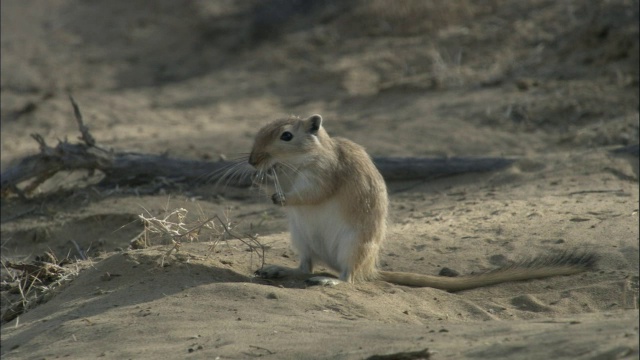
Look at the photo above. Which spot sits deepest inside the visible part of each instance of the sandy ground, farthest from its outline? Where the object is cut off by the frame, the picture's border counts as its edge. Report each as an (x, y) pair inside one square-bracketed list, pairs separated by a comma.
[(553, 83)]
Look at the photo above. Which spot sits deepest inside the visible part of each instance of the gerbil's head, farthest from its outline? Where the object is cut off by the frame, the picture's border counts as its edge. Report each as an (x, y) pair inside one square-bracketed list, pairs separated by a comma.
[(290, 141)]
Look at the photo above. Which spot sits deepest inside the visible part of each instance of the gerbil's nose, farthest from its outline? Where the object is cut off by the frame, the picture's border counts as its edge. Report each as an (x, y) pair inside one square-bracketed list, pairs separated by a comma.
[(257, 157), (254, 159)]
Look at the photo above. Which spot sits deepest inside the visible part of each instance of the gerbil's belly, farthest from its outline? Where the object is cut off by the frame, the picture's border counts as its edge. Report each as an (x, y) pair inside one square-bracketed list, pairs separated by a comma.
[(321, 232)]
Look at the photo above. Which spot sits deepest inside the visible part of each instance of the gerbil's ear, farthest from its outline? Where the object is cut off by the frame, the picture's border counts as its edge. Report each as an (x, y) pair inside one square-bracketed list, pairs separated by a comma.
[(315, 122)]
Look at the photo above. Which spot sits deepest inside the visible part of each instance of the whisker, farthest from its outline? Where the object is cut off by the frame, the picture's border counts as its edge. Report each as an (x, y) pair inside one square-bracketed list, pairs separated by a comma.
[(259, 181), (207, 176), (233, 170), (258, 178), (296, 172)]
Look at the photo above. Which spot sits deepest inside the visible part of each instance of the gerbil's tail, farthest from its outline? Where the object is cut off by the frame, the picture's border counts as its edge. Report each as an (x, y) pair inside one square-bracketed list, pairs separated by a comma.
[(566, 263)]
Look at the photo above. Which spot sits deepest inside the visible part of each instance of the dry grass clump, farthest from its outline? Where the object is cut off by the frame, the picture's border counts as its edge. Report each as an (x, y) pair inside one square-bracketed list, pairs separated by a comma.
[(25, 285), (176, 228)]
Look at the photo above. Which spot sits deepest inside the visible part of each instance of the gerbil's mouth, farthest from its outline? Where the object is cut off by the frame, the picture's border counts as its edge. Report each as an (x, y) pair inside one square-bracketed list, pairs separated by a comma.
[(260, 168), (265, 167), (265, 174), (271, 168)]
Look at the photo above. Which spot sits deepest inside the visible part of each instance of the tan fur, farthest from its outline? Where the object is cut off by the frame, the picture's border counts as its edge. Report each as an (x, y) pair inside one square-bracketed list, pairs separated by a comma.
[(336, 201)]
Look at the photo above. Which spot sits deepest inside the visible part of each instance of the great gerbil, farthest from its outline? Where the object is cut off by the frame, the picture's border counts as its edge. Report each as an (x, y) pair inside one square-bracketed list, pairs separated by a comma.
[(336, 202)]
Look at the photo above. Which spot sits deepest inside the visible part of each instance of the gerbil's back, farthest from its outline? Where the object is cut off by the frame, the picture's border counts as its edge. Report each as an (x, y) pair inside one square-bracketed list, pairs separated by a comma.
[(361, 181), (357, 165)]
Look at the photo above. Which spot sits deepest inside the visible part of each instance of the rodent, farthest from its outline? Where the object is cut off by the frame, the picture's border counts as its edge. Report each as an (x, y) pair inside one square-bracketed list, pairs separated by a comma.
[(336, 202)]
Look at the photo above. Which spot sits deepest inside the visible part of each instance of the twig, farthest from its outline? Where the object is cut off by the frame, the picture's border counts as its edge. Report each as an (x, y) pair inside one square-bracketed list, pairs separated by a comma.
[(19, 215), (41, 178), (261, 348), (253, 239), (177, 230), (595, 192), (82, 255), (176, 247), (84, 130), (409, 355)]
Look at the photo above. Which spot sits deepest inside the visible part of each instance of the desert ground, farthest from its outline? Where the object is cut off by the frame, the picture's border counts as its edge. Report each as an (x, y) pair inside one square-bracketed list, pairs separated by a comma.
[(550, 84)]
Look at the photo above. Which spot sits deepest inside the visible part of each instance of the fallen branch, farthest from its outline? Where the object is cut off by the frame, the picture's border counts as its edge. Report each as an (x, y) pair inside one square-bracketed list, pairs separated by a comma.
[(424, 354), (404, 169), (134, 169)]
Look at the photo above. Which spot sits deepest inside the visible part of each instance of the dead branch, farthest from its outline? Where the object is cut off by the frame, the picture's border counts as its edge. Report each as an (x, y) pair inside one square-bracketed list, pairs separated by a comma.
[(406, 169), (134, 169)]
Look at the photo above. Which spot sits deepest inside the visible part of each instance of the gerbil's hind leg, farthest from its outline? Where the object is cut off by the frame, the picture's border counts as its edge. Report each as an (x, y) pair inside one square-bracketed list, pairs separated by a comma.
[(329, 281), (277, 271), (274, 272), (322, 281)]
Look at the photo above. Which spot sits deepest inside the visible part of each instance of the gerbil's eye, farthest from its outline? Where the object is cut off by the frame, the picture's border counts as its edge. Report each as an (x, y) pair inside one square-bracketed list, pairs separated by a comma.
[(286, 136)]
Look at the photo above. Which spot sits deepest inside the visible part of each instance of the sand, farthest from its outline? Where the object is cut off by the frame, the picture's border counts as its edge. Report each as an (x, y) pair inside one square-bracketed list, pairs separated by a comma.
[(553, 84)]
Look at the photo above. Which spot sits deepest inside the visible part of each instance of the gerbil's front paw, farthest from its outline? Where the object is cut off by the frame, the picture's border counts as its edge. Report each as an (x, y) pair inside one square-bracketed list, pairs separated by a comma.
[(272, 272), (278, 199)]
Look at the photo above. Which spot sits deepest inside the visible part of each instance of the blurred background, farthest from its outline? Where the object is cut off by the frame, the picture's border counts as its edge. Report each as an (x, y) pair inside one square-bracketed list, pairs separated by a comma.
[(196, 78)]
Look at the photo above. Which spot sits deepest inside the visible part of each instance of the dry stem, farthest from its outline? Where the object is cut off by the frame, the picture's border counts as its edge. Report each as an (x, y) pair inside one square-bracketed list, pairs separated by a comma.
[(174, 227)]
